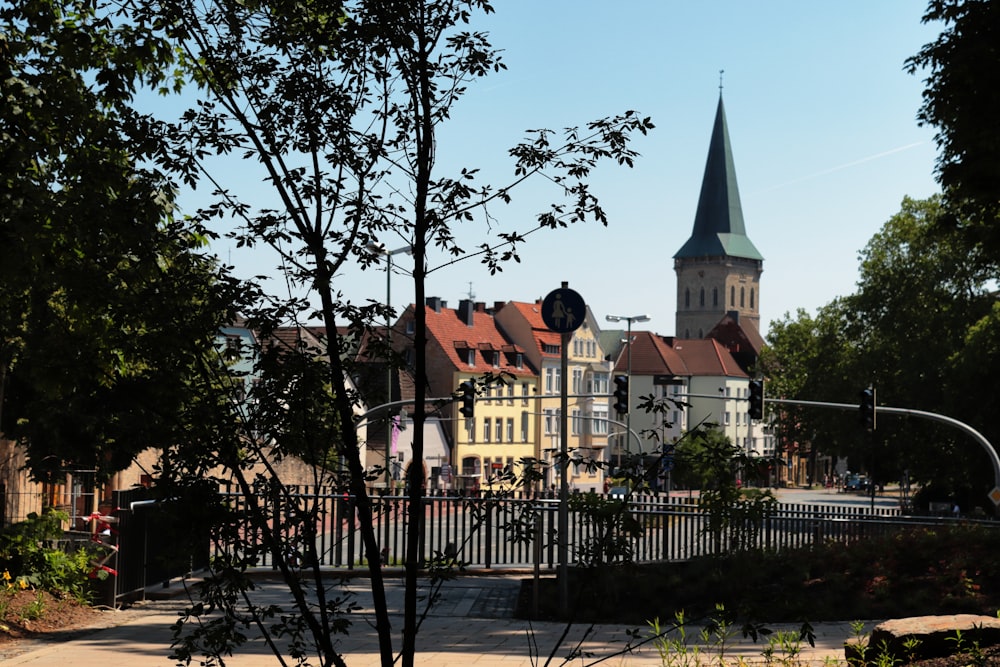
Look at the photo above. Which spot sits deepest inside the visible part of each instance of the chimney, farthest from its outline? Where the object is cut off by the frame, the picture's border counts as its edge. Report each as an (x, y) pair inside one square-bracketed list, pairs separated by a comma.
[(465, 310), (434, 303)]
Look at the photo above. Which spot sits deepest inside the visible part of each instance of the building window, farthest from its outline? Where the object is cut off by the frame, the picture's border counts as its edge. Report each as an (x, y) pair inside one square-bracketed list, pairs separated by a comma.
[(732, 296), (715, 296), (525, 391), (553, 380), (524, 426), (751, 297), (577, 381), (510, 394), (510, 429), (470, 357), (470, 465), (742, 296), (411, 327), (701, 298), (552, 422), (487, 424), (499, 430), (687, 298), (470, 429), (599, 424), (577, 423), (518, 360), (725, 418)]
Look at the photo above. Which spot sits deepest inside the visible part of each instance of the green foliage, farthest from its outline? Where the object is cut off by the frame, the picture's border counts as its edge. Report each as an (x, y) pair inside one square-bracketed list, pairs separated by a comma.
[(907, 573), (106, 301), (610, 529), (869, 337), (28, 553), (959, 99)]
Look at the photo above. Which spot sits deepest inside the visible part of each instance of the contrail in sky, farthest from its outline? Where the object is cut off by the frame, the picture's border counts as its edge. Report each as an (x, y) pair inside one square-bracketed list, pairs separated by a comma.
[(845, 166)]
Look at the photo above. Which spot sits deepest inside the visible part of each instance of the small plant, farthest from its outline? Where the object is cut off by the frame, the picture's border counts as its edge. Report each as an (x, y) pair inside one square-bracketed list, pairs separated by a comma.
[(861, 648), (783, 646), (718, 633), (910, 646), (675, 651), (885, 658), (35, 609)]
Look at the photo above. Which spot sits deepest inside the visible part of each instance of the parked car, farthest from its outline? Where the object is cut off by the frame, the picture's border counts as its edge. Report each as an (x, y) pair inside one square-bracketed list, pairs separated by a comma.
[(857, 483)]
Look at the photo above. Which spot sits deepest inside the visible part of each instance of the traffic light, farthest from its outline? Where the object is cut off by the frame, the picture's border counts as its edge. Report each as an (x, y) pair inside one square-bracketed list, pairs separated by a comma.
[(756, 409), (468, 408), (621, 394), (867, 408)]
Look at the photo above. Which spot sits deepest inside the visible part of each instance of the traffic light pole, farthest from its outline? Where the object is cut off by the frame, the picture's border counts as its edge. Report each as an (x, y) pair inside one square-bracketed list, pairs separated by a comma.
[(933, 416)]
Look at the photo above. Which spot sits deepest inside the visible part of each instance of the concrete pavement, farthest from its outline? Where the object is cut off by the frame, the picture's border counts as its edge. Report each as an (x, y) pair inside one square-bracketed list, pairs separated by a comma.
[(471, 624)]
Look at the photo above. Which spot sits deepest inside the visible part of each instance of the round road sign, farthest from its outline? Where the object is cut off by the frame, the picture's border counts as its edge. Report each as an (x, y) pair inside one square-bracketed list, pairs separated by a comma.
[(563, 310)]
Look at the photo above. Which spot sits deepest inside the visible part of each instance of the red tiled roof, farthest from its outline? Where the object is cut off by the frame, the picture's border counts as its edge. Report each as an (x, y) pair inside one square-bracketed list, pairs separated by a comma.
[(651, 355), (543, 336), (452, 334), (706, 356)]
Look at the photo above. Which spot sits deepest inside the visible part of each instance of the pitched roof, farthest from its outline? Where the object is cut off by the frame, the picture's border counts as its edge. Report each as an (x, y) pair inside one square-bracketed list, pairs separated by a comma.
[(707, 357), (718, 222), (543, 337), (452, 334), (651, 355), (740, 335)]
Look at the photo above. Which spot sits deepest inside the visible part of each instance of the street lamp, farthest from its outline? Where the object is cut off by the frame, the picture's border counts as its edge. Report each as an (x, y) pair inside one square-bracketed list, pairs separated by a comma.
[(628, 368), (388, 342)]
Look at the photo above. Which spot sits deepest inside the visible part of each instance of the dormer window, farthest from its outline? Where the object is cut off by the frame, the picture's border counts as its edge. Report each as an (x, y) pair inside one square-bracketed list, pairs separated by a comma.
[(466, 352), (518, 360)]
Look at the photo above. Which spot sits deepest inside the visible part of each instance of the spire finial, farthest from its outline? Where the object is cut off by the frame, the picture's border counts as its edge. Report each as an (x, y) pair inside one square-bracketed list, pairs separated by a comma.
[(721, 72)]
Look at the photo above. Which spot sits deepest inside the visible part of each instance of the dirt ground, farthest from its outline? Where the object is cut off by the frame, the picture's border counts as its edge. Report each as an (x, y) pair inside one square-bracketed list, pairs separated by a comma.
[(30, 613)]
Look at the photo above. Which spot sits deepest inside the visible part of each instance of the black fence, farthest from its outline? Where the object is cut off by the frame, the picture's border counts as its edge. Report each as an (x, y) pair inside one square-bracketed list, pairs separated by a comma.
[(155, 544), (152, 544), (522, 532)]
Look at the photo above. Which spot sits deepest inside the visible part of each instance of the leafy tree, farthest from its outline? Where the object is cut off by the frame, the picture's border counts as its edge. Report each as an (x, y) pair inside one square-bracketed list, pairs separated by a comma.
[(339, 105), (961, 98), (809, 358), (104, 298), (915, 330), (707, 460)]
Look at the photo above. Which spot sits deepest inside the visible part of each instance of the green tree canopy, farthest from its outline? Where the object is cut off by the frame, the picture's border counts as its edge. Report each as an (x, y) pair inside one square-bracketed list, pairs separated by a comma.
[(961, 100), (104, 298), (918, 329)]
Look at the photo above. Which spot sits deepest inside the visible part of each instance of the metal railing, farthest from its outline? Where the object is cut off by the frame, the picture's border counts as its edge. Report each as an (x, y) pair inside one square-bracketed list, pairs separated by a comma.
[(522, 532)]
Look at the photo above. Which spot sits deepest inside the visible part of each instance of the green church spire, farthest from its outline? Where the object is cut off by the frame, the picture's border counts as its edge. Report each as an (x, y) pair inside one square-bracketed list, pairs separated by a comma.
[(718, 223)]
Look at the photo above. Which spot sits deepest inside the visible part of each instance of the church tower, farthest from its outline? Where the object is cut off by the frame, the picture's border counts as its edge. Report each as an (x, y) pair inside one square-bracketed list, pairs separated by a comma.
[(718, 268)]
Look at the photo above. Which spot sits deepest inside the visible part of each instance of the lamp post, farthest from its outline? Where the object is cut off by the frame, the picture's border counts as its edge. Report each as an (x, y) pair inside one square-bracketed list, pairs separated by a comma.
[(388, 343), (628, 368)]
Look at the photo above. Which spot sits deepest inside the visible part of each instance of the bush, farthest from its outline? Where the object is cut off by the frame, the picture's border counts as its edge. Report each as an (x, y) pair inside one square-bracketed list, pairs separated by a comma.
[(29, 552)]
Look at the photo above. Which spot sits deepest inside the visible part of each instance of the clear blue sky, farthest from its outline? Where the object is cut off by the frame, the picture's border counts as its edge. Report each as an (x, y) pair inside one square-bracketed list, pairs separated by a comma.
[(821, 118)]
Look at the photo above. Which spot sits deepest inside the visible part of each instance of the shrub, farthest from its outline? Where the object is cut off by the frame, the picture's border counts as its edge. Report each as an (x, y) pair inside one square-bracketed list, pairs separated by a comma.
[(29, 551)]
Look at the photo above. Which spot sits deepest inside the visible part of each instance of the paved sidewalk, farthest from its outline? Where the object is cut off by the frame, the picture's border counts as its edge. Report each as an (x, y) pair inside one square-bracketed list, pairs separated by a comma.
[(471, 624)]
